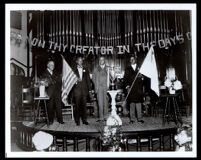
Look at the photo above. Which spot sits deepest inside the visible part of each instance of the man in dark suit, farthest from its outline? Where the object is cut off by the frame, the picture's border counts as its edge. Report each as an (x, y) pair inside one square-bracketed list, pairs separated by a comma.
[(54, 92), (80, 92), (135, 97)]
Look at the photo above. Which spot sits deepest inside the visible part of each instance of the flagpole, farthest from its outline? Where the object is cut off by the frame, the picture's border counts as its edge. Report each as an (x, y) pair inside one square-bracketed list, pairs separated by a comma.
[(134, 80), (132, 85)]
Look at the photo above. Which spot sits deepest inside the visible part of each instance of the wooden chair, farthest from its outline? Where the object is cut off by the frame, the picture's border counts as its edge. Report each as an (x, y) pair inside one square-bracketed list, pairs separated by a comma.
[(27, 103), (68, 110), (90, 107), (184, 104), (91, 104)]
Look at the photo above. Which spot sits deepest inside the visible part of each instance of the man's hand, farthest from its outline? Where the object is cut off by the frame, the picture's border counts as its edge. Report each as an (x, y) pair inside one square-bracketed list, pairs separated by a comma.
[(141, 76), (124, 104), (127, 88), (46, 84), (92, 91)]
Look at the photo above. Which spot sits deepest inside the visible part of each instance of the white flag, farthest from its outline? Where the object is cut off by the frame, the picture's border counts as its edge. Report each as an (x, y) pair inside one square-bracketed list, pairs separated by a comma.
[(149, 69), (69, 78)]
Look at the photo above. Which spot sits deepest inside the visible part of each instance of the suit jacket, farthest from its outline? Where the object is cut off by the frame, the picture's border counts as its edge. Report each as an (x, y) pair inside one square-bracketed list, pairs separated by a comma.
[(96, 77), (83, 87), (54, 83), (136, 93)]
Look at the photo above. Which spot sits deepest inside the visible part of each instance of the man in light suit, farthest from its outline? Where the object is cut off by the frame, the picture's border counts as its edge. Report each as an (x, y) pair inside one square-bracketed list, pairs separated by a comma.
[(80, 92), (100, 80)]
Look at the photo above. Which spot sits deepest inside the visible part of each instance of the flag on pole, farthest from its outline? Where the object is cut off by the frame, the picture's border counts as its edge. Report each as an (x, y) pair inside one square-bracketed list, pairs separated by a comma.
[(69, 78), (149, 69)]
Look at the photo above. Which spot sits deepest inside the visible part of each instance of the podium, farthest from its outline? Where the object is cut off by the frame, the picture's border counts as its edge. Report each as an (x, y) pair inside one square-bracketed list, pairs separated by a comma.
[(38, 109)]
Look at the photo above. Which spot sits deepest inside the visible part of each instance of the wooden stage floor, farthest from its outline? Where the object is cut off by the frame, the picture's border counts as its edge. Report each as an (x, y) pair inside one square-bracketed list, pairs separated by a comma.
[(150, 123)]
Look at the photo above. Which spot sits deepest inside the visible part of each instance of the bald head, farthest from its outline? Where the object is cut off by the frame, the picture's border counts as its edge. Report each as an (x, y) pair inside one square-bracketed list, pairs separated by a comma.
[(51, 65), (101, 60)]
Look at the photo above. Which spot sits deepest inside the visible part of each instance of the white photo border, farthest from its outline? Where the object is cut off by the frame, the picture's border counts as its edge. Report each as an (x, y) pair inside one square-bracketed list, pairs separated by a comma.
[(128, 6)]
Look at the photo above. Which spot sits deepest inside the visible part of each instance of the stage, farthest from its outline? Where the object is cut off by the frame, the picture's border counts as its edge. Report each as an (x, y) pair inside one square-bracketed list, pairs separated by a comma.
[(150, 124), (152, 135)]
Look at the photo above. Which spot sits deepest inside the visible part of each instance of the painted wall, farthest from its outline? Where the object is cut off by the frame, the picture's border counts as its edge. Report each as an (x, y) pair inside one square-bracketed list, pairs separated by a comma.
[(18, 49)]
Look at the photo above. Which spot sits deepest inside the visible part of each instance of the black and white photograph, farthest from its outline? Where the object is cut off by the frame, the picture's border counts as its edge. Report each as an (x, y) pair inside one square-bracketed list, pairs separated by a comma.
[(88, 80)]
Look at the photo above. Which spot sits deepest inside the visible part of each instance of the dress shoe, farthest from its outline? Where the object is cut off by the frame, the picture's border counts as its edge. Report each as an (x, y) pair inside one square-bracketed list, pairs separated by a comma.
[(141, 121), (86, 123), (61, 122), (77, 123), (131, 121)]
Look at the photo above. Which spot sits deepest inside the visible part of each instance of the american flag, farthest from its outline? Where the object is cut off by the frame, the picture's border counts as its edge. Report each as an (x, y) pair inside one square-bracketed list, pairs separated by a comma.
[(68, 80)]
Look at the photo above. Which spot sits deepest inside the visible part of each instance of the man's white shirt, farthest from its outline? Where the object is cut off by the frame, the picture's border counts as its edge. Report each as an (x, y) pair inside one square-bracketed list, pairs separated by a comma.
[(134, 66), (102, 66), (80, 70), (51, 72)]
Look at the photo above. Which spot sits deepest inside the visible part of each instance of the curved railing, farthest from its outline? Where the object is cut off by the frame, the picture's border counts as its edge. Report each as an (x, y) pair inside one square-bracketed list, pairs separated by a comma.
[(19, 65), (153, 140), (13, 59)]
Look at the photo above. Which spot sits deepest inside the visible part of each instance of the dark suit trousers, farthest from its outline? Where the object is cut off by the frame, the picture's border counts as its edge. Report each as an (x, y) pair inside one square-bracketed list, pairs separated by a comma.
[(55, 104), (80, 108)]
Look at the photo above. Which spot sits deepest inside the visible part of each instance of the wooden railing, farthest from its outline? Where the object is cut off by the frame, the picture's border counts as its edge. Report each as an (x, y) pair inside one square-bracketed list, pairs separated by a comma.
[(163, 137), (74, 141)]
